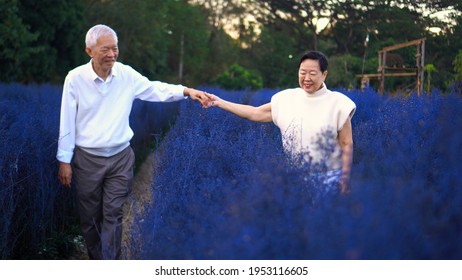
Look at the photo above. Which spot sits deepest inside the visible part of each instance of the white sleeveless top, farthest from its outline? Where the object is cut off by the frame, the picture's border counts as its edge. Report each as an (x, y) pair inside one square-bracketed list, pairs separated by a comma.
[(310, 123)]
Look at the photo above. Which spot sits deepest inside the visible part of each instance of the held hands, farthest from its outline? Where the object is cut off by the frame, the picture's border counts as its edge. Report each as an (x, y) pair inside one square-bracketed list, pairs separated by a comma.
[(215, 100), (200, 96), (206, 99)]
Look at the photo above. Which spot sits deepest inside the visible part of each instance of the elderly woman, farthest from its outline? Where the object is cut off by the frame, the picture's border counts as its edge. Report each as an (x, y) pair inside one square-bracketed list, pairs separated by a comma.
[(307, 117)]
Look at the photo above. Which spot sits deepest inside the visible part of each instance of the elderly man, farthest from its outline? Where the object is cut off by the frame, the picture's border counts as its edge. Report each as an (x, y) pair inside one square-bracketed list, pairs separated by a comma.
[(94, 142)]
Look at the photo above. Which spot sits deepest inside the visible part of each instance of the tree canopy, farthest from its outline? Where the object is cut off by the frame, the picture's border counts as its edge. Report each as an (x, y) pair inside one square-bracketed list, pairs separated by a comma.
[(195, 41)]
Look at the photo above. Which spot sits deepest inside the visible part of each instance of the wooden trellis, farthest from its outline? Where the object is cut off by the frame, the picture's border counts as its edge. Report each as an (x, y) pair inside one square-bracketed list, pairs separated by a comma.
[(417, 71)]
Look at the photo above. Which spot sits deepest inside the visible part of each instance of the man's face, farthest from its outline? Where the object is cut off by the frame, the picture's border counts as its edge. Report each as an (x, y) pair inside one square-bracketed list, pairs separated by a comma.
[(310, 77), (104, 54)]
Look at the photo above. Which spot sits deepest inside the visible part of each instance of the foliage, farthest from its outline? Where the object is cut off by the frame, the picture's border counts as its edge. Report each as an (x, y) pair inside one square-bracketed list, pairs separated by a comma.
[(429, 68), (237, 77), (155, 37), (41, 42), (275, 55), (57, 26), (143, 37), (37, 212), (190, 41), (223, 188), (351, 22), (458, 69), (15, 38), (302, 18), (189, 45), (223, 50), (458, 66), (342, 71)]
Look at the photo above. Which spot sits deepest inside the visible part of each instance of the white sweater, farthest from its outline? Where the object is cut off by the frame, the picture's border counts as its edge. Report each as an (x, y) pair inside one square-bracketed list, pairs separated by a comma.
[(310, 123), (95, 113)]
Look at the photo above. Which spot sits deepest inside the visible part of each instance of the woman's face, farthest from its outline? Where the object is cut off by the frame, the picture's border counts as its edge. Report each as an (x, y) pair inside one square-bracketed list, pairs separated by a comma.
[(310, 77)]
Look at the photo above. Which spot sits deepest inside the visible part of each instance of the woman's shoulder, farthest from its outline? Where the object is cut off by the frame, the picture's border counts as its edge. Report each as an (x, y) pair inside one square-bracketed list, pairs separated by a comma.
[(341, 96), (290, 91), (343, 103)]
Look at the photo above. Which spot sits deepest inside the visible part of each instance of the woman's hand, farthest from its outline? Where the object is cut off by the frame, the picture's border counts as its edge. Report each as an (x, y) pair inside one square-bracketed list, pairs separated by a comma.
[(215, 100)]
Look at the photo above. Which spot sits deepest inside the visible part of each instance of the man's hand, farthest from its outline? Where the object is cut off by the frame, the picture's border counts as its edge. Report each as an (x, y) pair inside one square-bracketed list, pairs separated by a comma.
[(65, 174), (199, 96)]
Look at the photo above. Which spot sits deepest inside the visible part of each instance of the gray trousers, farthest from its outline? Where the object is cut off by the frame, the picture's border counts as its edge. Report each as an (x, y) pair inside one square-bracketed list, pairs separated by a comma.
[(102, 186)]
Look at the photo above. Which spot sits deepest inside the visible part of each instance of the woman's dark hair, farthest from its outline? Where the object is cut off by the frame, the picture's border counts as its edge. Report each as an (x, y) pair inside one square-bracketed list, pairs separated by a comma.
[(315, 55)]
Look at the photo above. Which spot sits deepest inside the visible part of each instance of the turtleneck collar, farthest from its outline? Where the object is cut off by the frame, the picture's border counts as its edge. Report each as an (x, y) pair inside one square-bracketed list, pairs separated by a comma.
[(319, 92)]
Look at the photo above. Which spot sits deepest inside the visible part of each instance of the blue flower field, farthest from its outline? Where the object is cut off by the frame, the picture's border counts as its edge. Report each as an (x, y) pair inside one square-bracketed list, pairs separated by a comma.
[(38, 216), (223, 188)]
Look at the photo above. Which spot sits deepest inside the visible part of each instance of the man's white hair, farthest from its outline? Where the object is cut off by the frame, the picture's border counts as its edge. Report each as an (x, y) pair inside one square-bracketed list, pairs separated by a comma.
[(96, 32)]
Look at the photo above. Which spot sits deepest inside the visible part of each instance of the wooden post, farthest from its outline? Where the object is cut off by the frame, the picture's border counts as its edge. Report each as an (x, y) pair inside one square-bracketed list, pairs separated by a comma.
[(417, 72), (417, 63), (420, 66), (382, 66)]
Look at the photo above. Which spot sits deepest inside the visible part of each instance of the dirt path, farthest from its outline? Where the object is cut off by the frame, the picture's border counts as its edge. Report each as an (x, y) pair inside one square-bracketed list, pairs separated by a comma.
[(140, 197)]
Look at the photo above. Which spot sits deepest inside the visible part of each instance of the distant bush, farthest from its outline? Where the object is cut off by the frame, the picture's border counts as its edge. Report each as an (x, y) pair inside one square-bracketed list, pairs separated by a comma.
[(223, 188), (238, 78)]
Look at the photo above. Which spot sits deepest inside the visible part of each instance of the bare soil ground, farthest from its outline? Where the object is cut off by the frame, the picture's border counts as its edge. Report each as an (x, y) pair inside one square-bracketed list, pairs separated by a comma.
[(140, 198)]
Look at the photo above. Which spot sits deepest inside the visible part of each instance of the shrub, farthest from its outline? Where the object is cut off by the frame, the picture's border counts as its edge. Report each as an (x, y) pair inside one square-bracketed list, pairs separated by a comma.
[(238, 78)]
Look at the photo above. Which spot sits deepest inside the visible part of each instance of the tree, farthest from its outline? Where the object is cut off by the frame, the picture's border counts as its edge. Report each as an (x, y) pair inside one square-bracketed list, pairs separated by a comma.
[(188, 51), (58, 46), (301, 16), (458, 69), (275, 55), (15, 39), (223, 50), (442, 47), (342, 70), (142, 29), (164, 40), (458, 66), (38, 39)]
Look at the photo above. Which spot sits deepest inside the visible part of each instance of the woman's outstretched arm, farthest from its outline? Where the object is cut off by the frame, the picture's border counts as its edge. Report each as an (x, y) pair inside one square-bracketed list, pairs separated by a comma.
[(256, 114)]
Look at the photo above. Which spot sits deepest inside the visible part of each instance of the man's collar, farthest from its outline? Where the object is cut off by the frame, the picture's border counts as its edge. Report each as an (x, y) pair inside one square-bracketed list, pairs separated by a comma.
[(92, 74)]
